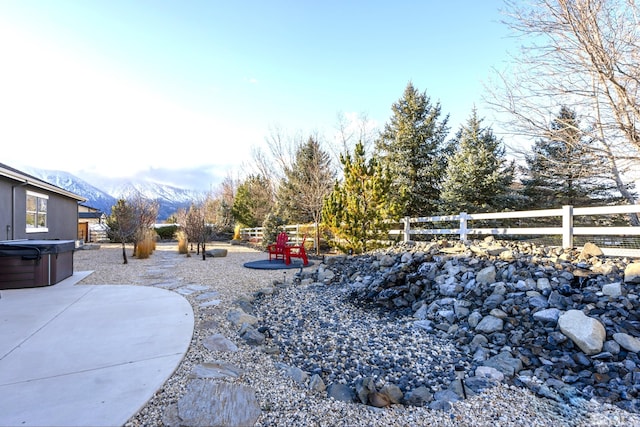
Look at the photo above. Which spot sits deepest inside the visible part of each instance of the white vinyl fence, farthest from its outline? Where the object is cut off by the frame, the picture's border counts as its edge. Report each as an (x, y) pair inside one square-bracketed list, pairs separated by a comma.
[(565, 218), (294, 232), (608, 236)]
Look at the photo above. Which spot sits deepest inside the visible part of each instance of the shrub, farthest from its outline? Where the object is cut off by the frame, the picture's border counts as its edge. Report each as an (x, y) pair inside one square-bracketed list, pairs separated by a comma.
[(167, 232), (272, 226), (146, 246), (183, 242)]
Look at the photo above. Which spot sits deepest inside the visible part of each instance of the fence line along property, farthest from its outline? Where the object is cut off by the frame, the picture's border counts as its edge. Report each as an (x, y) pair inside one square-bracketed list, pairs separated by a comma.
[(565, 228), (565, 218), (294, 232)]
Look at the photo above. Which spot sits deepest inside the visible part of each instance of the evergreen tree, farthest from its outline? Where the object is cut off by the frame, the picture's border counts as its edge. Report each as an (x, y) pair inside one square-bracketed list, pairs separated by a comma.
[(357, 208), (563, 170), (253, 201), (122, 224), (412, 147), (306, 183), (478, 176)]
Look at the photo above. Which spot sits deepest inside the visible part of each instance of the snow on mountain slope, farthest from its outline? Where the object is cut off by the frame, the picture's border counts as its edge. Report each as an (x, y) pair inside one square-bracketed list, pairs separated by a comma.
[(104, 194)]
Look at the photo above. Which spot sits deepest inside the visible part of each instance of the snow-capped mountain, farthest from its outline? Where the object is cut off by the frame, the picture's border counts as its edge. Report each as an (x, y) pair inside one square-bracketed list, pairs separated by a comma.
[(104, 194)]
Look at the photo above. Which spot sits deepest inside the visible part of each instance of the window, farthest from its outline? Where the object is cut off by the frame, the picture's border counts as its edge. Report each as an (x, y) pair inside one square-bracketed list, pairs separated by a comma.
[(36, 212)]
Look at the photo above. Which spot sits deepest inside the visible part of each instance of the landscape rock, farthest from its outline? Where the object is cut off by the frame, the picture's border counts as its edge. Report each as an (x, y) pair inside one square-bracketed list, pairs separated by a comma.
[(238, 317), (418, 397), (316, 383), (586, 332), (393, 392), (549, 315), (216, 369), (627, 342), (540, 314), (632, 273), (486, 275), (341, 392), (252, 336), (505, 363), (207, 403), (612, 290), (216, 253), (490, 324), (590, 250), (218, 342)]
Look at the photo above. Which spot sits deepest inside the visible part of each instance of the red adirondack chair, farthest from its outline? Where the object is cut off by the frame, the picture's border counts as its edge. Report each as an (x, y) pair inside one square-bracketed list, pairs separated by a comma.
[(278, 249), (296, 251)]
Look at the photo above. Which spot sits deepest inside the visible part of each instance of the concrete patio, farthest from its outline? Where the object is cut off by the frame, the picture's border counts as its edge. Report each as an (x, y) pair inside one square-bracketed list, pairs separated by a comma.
[(73, 355)]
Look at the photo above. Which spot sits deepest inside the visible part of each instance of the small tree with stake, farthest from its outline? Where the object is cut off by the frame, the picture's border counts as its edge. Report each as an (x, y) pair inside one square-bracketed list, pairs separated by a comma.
[(123, 224)]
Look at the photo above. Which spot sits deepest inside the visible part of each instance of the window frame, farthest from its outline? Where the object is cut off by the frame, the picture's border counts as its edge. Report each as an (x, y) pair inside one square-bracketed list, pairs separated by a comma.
[(40, 212)]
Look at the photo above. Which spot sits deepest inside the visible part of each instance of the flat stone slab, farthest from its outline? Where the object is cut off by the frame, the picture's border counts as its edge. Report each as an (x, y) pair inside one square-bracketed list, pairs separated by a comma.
[(218, 342), (209, 403), (211, 303), (208, 295), (215, 370), (197, 288), (167, 285)]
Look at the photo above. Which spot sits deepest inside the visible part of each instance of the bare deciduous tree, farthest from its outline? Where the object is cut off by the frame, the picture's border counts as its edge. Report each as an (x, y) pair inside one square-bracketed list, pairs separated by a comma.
[(584, 54), (145, 213), (352, 130), (193, 223)]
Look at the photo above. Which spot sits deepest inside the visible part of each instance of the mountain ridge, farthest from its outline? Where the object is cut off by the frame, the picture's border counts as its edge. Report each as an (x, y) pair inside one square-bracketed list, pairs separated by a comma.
[(105, 194)]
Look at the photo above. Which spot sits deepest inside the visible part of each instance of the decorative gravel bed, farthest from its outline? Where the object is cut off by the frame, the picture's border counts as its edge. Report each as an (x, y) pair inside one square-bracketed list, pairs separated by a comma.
[(216, 286)]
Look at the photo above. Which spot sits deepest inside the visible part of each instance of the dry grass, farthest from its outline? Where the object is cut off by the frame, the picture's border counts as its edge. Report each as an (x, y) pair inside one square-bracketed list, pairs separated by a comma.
[(183, 242), (146, 246)]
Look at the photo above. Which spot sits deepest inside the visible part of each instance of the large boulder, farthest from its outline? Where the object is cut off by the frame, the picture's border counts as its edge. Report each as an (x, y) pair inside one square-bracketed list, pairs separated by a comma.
[(590, 250), (586, 332), (216, 253), (632, 273)]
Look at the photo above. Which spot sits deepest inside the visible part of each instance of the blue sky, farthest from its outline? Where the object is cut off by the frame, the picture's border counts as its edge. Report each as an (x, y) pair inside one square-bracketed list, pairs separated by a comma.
[(194, 85)]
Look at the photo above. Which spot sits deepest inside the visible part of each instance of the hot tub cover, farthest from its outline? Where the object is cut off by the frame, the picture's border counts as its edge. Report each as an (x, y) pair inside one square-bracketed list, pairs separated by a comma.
[(19, 247)]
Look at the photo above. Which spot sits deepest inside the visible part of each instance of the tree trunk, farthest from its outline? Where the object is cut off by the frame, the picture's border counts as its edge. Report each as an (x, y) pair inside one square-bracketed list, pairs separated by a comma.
[(124, 254)]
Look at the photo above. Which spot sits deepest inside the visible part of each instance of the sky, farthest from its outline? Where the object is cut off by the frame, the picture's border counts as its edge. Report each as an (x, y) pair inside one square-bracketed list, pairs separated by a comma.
[(185, 91)]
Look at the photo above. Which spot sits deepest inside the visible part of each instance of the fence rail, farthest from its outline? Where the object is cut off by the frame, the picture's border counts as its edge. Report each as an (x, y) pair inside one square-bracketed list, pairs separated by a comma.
[(564, 226), (294, 231)]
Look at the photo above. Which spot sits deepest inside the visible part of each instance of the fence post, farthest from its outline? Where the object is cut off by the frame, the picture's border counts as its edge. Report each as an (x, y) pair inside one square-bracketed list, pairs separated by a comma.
[(463, 226), (567, 226), (407, 229)]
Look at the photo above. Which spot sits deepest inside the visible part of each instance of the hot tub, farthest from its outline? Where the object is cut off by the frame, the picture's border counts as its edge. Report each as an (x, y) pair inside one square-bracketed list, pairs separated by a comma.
[(34, 263)]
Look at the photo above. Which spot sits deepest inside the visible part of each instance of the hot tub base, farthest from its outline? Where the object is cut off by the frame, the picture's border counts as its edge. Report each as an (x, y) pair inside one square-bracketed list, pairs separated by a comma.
[(35, 263)]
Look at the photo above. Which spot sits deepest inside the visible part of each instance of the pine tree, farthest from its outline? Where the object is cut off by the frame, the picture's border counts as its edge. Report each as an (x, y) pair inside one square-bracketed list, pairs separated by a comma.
[(357, 207), (478, 175), (253, 201), (563, 170), (306, 183), (412, 147)]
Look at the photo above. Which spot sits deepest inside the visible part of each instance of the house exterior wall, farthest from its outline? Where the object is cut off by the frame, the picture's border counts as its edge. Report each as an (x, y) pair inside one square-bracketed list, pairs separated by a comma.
[(62, 209)]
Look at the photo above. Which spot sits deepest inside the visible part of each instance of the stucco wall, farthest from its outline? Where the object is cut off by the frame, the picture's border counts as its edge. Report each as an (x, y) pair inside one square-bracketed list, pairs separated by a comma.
[(62, 213)]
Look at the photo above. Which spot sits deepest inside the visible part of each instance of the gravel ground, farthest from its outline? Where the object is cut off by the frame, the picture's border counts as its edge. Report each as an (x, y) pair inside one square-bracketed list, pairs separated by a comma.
[(283, 401)]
